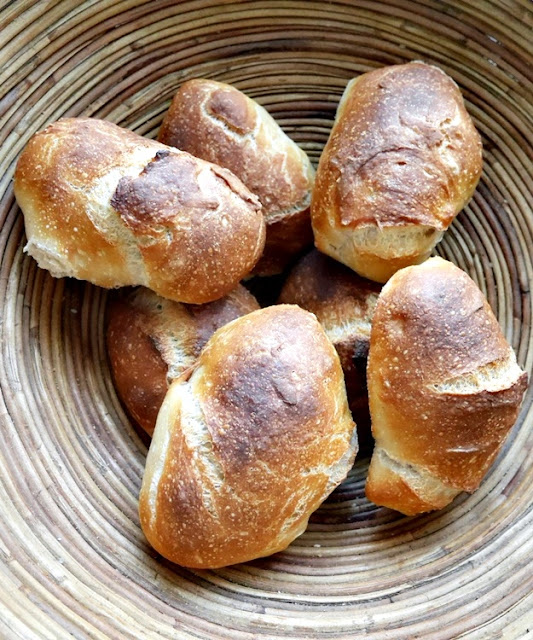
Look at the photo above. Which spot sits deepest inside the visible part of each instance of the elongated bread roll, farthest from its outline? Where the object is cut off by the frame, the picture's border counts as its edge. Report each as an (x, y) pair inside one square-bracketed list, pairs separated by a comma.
[(444, 388), (102, 204), (249, 443), (402, 160), (343, 303), (151, 341), (219, 123)]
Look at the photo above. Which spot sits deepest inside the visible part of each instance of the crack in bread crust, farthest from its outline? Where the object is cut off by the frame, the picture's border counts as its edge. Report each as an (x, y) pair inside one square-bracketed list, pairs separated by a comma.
[(494, 376), (418, 479), (210, 473)]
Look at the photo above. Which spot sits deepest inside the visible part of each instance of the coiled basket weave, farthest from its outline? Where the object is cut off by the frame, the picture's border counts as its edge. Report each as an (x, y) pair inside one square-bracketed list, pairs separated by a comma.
[(73, 560)]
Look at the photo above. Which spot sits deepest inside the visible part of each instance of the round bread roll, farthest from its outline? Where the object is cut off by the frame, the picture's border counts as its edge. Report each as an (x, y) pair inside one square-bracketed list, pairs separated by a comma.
[(249, 443), (402, 160), (151, 341), (103, 204), (219, 123), (444, 388), (343, 303)]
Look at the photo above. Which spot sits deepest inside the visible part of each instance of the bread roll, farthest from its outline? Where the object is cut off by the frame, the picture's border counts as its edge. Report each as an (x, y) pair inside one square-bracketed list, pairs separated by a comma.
[(343, 303), (402, 160), (151, 341), (219, 123), (444, 388), (249, 443), (102, 204)]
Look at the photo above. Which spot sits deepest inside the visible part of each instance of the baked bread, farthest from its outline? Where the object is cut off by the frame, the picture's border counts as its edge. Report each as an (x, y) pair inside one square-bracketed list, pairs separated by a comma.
[(219, 123), (248, 443), (343, 303), (444, 388), (402, 160), (103, 204), (152, 341)]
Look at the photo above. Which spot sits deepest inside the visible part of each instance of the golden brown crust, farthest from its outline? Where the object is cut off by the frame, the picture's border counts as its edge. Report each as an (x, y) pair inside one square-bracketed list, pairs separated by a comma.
[(343, 303), (53, 207), (444, 387), (218, 123), (103, 204), (377, 268), (152, 341), (403, 152), (138, 368), (266, 410)]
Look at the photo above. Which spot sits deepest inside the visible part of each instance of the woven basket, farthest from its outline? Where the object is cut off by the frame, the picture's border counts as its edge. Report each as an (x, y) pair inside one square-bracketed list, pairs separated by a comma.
[(73, 560)]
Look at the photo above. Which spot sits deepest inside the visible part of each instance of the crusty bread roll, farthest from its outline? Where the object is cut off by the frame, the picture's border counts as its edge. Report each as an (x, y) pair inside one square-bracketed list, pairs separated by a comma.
[(102, 204), (343, 303), (402, 160), (219, 123), (249, 443), (152, 341), (444, 388)]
